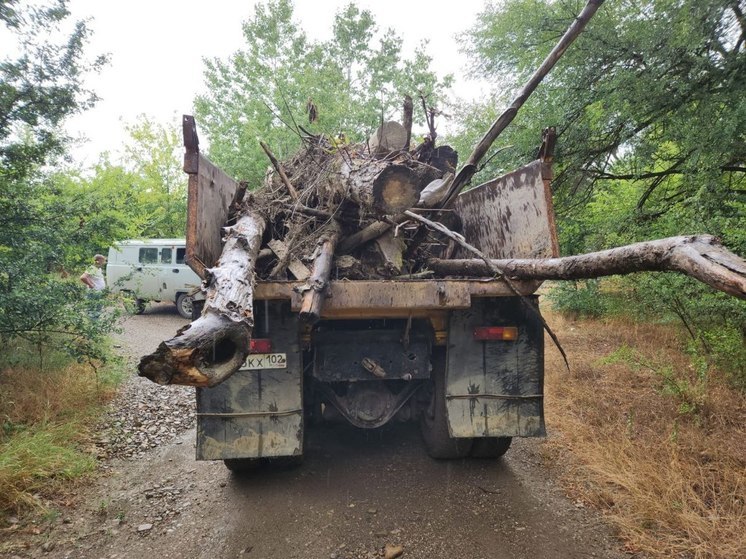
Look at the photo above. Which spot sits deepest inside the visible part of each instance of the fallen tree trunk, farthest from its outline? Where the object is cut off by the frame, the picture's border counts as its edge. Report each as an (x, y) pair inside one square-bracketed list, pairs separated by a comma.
[(314, 291), (213, 347), (699, 256)]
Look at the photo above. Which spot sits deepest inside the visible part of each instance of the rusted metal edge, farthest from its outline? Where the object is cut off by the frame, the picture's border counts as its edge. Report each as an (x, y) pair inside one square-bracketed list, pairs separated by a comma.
[(251, 414), (273, 290)]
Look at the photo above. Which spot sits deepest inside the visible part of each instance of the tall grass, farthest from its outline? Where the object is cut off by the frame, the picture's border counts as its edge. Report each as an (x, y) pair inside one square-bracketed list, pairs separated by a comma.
[(652, 437), (46, 419)]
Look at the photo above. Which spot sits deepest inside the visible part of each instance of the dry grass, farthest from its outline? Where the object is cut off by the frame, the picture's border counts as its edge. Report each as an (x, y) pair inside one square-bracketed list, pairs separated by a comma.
[(650, 438), (45, 419)]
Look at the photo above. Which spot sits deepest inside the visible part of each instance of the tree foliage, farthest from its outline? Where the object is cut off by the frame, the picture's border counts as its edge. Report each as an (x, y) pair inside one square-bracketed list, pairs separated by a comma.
[(39, 89), (354, 80), (651, 120)]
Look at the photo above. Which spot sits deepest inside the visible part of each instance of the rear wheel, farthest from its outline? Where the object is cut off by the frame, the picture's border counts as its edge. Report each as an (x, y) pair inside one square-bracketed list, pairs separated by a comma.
[(490, 447), (434, 420), (243, 466), (184, 305)]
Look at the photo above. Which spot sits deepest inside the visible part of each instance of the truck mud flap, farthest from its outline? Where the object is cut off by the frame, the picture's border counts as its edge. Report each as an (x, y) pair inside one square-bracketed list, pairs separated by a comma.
[(494, 388), (256, 413)]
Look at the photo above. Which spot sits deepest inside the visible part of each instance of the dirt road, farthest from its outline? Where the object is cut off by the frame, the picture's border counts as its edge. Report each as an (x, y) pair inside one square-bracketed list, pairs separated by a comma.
[(356, 492)]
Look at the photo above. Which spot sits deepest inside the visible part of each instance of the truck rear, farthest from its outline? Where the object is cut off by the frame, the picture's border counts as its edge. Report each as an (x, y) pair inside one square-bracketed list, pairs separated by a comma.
[(463, 357)]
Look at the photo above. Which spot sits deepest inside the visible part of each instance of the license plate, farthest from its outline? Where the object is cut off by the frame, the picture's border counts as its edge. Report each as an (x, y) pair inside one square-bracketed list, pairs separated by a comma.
[(265, 361)]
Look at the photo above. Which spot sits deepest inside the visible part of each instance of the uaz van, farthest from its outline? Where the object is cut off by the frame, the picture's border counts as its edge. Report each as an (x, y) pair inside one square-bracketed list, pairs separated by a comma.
[(153, 270)]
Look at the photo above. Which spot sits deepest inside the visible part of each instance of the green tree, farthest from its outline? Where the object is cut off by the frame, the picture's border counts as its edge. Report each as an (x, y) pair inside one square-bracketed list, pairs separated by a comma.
[(40, 86), (651, 92), (141, 194), (651, 120), (355, 79)]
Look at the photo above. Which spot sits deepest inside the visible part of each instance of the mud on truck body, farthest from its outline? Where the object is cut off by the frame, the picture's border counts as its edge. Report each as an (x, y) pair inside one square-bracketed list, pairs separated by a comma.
[(463, 357)]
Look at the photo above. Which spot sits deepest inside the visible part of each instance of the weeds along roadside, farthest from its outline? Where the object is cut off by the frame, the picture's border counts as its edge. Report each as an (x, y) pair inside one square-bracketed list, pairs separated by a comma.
[(649, 435), (47, 417)]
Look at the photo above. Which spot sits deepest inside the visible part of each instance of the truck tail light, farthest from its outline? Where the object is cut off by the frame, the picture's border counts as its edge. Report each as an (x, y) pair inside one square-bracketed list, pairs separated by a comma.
[(261, 345), (505, 333)]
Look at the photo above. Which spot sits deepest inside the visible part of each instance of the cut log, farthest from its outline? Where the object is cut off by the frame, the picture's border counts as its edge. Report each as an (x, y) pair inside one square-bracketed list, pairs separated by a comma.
[(296, 267), (379, 187), (699, 256), (213, 347), (314, 291), (390, 136), (391, 249), (372, 231), (435, 192)]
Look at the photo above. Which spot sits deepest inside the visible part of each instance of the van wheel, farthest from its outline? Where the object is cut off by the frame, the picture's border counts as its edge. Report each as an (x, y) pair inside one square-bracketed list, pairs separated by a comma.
[(132, 303), (434, 421), (184, 305), (140, 305), (490, 447)]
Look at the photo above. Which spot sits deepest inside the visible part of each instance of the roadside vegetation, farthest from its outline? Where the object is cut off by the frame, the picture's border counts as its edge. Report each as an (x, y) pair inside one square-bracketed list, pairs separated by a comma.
[(56, 365), (650, 435), (48, 415)]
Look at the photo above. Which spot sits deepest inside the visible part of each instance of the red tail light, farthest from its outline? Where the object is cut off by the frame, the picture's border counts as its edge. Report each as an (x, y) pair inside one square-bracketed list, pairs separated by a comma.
[(261, 345), (505, 333)]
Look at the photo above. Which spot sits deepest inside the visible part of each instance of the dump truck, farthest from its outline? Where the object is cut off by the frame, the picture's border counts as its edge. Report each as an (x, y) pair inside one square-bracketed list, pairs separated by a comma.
[(463, 357)]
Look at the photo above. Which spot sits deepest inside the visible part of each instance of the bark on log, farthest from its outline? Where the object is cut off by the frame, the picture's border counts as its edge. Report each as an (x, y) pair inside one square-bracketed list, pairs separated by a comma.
[(699, 256), (407, 120), (314, 291), (213, 347)]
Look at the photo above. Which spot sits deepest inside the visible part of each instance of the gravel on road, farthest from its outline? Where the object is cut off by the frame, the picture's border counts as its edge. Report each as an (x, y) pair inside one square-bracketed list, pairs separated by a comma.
[(143, 415)]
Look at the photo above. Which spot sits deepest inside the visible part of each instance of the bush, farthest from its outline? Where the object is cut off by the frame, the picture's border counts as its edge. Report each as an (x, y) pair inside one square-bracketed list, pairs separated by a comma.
[(714, 324), (578, 299)]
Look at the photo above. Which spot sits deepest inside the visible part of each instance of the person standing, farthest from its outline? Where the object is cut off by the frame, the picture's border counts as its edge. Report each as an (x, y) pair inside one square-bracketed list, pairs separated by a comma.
[(93, 277)]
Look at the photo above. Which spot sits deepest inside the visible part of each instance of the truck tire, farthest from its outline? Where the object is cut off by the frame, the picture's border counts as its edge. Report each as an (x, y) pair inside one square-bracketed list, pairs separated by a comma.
[(243, 466), (434, 421), (184, 305), (490, 447)]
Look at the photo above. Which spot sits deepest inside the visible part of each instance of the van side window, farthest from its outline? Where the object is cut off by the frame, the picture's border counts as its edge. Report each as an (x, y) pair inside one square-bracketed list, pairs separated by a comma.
[(165, 256), (180, 253), (148, 256)]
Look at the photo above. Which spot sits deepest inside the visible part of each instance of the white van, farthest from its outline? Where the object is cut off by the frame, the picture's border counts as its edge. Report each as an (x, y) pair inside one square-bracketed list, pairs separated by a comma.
[(153, 270)]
